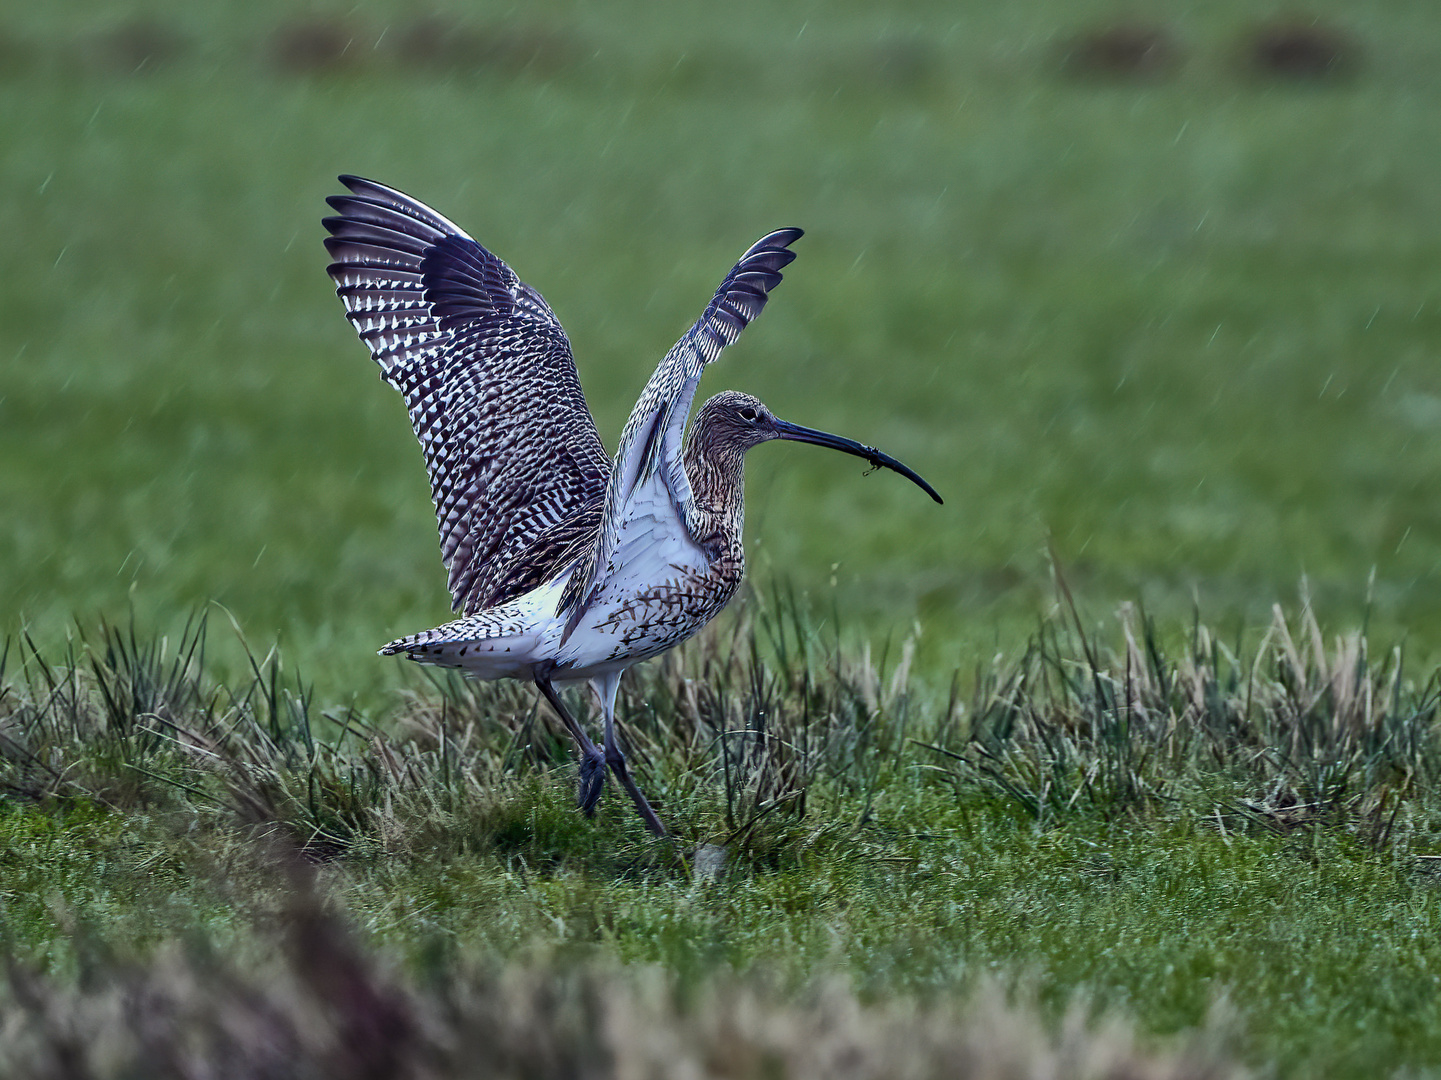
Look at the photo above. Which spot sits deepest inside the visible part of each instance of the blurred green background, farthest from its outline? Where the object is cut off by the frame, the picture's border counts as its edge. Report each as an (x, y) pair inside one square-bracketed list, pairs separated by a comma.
[(1114, 278)]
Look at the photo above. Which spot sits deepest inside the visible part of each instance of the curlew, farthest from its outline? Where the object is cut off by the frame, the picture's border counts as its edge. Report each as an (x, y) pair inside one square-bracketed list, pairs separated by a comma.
[(565, 564)]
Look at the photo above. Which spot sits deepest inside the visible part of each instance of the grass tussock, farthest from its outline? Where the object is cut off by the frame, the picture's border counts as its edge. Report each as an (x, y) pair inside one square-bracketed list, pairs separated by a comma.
[(733, 736), (1302, 49), (1286, 734), (310, 1002), (830, 813), (741, 736), (1122, 51)]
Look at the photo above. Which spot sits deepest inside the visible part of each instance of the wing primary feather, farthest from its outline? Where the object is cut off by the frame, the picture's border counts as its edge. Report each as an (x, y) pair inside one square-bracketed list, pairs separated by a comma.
[(488, 378), (377, 233), (653, 434), (399, 200)]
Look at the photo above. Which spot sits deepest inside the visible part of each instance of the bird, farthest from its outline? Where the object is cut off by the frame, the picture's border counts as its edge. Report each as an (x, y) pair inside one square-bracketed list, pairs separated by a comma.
[(565, 564)]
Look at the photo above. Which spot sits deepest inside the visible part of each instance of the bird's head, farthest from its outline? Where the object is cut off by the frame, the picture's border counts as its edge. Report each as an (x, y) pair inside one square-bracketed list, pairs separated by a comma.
[(736, 421), (732, 422)]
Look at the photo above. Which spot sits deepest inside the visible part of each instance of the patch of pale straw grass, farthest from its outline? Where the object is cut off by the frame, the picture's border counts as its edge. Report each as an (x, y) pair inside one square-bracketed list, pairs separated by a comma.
[(308, 1002)]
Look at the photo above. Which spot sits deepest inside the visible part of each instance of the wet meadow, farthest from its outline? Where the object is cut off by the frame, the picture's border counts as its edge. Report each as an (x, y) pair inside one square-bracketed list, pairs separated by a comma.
[(1123, 762)]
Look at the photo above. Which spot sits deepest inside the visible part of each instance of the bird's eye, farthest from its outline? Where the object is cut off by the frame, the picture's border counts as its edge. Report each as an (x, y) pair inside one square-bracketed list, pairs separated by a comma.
[(748, 414)]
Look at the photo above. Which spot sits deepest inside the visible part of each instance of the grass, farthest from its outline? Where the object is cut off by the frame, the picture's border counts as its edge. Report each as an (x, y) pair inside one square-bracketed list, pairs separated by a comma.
[(1231, 850), (1179, 327), (310, 1002), (1171, 328)]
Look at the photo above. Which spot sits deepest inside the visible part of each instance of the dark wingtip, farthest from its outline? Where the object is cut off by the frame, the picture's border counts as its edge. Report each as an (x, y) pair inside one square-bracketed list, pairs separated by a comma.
[(776, 240), (785, 236)]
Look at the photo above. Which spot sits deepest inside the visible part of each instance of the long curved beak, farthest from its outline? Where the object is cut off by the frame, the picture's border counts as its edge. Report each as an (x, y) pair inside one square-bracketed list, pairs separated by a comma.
[(796, 433)]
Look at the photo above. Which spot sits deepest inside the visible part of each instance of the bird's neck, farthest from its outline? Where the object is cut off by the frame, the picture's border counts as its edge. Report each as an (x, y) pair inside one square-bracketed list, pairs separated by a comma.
[(716, 471)]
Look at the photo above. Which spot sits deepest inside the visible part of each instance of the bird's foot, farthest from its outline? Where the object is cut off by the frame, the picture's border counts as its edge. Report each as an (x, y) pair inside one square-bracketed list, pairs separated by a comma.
[(592, 780)]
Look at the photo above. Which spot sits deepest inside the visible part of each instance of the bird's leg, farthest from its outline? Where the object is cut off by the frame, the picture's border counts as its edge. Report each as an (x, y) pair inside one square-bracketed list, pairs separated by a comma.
[(592, 761), (605, 687)]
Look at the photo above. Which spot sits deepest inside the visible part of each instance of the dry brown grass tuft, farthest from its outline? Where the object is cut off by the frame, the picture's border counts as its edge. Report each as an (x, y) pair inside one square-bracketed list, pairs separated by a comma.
[(738, 735), (434, 44), (1293, 734), (310, 1003), (1122, 51), (1301, 49), (138, 46), (317, 45)]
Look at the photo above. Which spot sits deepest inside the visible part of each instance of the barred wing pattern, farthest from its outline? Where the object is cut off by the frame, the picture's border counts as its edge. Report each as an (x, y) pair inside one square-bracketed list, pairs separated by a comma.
[(488, 377), (651, 444)]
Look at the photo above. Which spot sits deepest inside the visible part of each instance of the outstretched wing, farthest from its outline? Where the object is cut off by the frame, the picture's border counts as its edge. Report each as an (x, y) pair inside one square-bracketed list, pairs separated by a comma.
[(488, 377), (650, 446)]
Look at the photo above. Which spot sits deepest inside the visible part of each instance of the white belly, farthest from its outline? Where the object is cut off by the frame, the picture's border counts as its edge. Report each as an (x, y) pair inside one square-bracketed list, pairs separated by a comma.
[(659, 591)]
